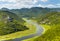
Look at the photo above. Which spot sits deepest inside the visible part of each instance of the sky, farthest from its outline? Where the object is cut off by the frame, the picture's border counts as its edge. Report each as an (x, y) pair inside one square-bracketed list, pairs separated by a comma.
[(17, 4)]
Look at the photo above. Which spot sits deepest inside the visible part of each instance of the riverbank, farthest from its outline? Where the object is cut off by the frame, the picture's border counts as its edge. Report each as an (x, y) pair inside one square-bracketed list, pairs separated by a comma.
[(20, 34), (45, 27), (38, 32), (35, 29)]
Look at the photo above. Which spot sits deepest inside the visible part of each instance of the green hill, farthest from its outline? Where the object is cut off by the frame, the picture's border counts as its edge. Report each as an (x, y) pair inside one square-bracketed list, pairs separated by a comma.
[(53, 20), (33, 12), (10, 23)]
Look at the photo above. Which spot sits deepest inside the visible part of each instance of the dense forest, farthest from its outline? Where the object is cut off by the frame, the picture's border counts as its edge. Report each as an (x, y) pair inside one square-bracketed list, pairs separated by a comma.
[(10, 23)]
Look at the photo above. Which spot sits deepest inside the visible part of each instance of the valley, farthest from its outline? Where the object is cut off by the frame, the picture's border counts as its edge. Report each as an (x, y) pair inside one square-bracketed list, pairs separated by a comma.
[(23, 24)]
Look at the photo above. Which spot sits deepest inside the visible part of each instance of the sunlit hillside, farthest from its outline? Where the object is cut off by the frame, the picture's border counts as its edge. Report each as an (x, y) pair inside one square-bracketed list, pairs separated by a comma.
[(10, 23), (53, 34)]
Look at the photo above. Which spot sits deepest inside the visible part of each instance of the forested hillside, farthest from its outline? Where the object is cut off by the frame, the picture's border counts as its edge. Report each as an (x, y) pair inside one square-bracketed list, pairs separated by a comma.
[(10, 23), (32, 12), (53, 20)]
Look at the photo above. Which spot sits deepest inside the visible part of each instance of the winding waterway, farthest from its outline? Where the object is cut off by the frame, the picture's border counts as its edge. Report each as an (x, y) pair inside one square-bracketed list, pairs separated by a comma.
[(39, 31)]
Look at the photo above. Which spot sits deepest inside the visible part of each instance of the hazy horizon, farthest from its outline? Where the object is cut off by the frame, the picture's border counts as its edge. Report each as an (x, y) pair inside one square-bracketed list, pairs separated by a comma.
[(18, 4)]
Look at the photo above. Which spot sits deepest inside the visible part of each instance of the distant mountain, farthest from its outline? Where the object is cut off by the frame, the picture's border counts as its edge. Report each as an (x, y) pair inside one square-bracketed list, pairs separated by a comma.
[(55, 9), (25, 12), (34, 11), (10, 23), (5, 9)]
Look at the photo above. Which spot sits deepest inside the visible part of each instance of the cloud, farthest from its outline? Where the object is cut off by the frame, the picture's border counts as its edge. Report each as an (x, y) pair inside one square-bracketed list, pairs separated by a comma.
[(18, 3), (8, 0), (49, 6), (25, 4), (44, 0)]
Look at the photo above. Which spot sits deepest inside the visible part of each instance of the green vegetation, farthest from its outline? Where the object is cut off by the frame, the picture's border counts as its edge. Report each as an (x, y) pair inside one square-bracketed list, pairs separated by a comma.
[(49, 18), (53, 34), (20, 34), (32, 12), (10, 23)]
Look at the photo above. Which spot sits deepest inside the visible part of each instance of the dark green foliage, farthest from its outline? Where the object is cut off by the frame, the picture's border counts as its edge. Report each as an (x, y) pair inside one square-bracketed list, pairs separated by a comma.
[(32, 12), (10, 23)]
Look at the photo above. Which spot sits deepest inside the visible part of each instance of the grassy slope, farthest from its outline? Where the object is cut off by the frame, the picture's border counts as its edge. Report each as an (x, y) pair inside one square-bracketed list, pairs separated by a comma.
[(20, 34), (51, 26), (46, 27), (52, 34)]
